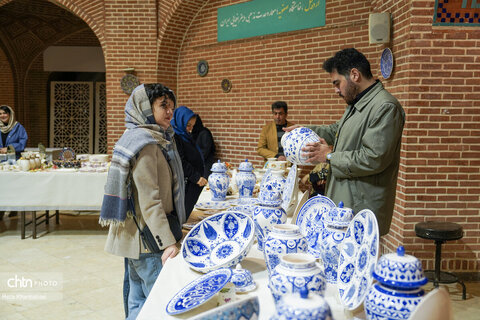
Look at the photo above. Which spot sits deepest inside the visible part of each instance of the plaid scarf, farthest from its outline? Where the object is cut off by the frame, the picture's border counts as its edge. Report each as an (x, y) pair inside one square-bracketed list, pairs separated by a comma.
[(6, 128), (141, 131)]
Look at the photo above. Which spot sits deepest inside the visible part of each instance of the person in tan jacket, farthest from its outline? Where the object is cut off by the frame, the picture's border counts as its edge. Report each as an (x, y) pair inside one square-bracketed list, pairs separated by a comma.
[(144, 193), (269, 145)]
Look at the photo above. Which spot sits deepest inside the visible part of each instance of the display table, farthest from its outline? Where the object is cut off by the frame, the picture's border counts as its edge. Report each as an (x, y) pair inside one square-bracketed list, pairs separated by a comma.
[(50, 190)]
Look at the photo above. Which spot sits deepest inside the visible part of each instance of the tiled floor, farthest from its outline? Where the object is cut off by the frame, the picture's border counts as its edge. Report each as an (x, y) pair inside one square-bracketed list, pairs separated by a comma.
[(72, 254)]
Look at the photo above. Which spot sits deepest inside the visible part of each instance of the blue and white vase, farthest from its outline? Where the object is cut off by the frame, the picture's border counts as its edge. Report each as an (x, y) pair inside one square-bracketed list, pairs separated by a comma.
[(246, 179), (283, 239), (296, 271), (272, 185), (218, 181), (397, 292), (294, 141), (267, 214), (302, 307), (336, 223)]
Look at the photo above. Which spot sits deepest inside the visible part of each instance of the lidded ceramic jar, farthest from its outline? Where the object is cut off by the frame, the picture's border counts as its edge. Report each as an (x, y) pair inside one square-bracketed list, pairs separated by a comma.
[(242, 279), (283, 239), (245, 179), (294, 141), (218, 181), (336, 223), (267, 214), (272, 187), (296, 271), (302, 306), (397, 292)]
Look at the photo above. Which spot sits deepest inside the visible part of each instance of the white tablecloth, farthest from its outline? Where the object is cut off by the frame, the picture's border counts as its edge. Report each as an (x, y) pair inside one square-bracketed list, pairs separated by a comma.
[(176, 274), (53, 190)]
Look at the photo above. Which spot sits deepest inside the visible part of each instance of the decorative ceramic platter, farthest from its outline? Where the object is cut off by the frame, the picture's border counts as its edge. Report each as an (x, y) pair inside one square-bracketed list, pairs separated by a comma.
[(245, 201), (248, 308), (357, 260), (213, 205), (246, 209), (221, 240), (386, 63), (289, 187), (309, 220), (199, 291)]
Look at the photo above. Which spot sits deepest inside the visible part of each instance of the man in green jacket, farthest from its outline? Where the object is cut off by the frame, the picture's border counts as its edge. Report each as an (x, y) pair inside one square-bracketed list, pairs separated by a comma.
[(366, 141)]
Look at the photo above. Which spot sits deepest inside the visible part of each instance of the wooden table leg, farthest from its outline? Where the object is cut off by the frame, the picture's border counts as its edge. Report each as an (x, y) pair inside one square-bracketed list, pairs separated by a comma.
[(47, 217), (34, 224), (22, 224)]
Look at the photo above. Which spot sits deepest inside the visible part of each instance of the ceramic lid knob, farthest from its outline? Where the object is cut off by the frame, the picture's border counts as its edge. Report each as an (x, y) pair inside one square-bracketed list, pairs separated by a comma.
[(219, 167)]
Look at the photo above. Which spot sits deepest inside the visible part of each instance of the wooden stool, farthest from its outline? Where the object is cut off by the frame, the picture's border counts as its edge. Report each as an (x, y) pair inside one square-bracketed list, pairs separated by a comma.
[(440, 232)]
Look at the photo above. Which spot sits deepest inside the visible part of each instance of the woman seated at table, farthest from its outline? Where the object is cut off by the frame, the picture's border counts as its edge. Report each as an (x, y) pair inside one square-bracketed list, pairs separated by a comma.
[(192, 160), (13, 133), (144, 191)]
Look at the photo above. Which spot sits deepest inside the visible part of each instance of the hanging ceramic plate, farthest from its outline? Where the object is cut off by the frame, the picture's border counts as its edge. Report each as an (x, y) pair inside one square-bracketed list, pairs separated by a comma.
[(358, 257), (213, 205), (202, 68), (289, 187), (128, 83), (309, 220), (386, 63), (199, 291)]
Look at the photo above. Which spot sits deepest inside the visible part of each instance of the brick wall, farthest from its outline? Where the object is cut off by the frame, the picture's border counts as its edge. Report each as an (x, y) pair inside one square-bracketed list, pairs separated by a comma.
[(6, 82)]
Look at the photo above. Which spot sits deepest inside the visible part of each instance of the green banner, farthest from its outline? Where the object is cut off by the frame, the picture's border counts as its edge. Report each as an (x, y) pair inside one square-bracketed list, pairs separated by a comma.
[(259, 17)]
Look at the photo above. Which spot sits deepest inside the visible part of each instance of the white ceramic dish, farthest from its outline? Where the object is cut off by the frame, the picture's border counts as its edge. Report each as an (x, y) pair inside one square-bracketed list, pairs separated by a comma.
[(310, 221), (221, 240), (289, 188), (199, 291), (213, 205), (358, 257)]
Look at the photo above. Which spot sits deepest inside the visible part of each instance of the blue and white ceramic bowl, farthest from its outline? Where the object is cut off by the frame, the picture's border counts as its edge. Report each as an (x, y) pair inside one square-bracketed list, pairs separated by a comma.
[(244, 309), (221, 240), (294, 141)]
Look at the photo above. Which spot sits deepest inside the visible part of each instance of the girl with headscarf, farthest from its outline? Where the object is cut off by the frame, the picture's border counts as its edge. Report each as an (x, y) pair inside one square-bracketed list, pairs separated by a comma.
[(145, 187), (13, 133), (204, 140), (192, 160)]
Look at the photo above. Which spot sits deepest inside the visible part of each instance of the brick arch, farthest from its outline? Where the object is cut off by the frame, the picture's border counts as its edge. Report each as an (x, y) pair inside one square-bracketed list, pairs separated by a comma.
[(90, 11), (177, 20)]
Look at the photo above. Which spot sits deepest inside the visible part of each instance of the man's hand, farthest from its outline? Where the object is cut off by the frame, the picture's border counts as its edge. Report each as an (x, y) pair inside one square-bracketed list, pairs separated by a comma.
[(202, 181), (288, 129), (316, 152), (3, 150), (170, 252)]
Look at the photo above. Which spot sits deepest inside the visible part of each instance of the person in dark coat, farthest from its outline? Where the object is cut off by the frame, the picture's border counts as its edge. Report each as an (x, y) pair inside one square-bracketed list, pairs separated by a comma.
[(204, 140), (192, 159)]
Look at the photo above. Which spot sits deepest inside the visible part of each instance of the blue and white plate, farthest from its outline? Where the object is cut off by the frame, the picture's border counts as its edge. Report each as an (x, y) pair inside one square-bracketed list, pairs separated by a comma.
[(245, 201), (248, 308), (213, 205), (310, 222), (357, 259), (289, 187), (221, 240), (247, 209), (199, 291)]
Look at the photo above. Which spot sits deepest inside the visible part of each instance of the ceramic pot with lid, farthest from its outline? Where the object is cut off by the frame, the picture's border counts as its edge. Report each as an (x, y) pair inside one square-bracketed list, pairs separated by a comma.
[(218, 181), (397, 292), (302, 307), (245, 179), (336, 223)]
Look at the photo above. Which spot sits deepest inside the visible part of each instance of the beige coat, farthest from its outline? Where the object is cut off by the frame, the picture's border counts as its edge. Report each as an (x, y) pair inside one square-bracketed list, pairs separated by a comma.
[(152, 179)]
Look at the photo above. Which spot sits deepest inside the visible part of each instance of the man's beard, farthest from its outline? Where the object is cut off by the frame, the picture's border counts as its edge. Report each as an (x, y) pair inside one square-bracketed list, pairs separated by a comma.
[(351, 92)]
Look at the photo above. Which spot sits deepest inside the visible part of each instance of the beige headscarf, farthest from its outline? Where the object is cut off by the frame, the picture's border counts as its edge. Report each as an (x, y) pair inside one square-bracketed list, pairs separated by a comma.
[(11, 121)]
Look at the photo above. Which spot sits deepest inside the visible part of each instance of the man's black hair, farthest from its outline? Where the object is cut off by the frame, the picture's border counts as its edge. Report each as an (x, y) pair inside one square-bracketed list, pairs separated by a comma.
[(280, 105), (345, 60), (157, 90)]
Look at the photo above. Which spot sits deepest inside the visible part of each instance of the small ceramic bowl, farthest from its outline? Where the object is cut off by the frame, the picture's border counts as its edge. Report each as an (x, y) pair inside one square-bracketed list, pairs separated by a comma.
[(399, 270), (242, 279)]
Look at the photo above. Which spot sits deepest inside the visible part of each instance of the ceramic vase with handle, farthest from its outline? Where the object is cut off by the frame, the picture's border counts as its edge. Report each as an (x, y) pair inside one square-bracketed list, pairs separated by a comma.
[(218, 181), (296, 271), (397, 292), (283, 239), (336, 223), (246, 179), (268, 214)]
